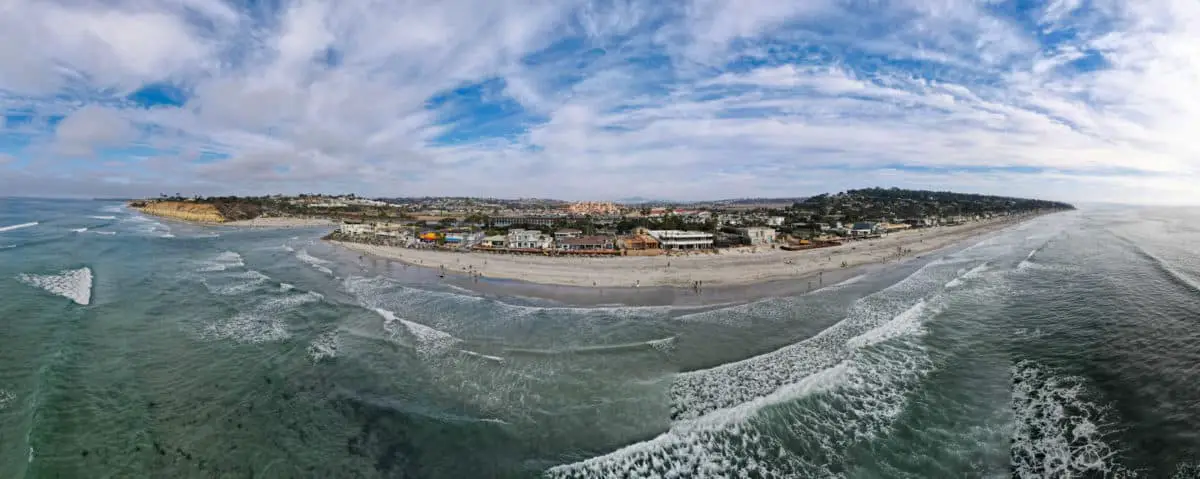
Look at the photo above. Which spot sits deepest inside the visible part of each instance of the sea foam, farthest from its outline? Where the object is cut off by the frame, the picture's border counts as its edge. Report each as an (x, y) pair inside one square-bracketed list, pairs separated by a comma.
[(1059, 432), (17, 227), (75, 284), (316, 263)]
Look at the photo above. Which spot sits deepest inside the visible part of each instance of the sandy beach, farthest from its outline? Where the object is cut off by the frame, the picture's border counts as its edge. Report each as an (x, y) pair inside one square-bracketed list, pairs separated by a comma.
[(739, 266), (280, 222)]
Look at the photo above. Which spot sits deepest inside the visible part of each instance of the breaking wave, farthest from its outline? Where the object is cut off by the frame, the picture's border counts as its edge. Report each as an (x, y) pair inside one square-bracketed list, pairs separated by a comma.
[(102, 217), (316, 263), (429, 341), (17, 227), (75, 285), (661, 345), (696, 393), (6, 398), (79, 230)]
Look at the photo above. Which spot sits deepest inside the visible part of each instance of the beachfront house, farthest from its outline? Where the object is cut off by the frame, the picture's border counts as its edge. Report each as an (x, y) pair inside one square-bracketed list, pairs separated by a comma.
[(464, 238), (528, 239), (495, 241), (865, 228), (757, 236), (681, 240), (566, 233), (586, 243)]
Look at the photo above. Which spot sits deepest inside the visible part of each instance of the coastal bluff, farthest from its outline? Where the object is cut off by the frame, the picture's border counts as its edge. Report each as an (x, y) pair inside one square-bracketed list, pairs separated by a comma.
[(181, 210)]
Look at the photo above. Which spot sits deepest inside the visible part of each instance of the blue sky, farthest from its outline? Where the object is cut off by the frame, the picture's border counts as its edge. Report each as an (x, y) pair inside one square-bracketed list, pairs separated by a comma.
[(1080, 100)]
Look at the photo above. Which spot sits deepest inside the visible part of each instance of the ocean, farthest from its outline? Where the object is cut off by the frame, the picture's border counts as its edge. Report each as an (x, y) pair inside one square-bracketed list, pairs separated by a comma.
[(1066, 346)]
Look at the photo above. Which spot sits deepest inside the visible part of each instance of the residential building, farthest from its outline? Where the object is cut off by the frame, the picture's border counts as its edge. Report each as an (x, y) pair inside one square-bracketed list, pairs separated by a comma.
[(675, 239), (528, 239), (506, 221), (586, 243), (356, 229), (758, 236), (637, 242), (864, 228), (567, 233), (775, 221), (495, 241)]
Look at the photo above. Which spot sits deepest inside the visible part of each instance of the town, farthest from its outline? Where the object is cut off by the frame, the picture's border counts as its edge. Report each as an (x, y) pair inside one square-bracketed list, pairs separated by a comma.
[(550, 227)]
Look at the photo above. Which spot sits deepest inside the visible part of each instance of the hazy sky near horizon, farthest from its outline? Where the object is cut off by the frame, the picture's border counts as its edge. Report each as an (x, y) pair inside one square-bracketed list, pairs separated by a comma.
[(1078, 100)]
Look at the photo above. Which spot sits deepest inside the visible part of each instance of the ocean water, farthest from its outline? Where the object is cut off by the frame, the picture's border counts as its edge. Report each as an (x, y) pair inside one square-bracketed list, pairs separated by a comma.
[(1067, 346)]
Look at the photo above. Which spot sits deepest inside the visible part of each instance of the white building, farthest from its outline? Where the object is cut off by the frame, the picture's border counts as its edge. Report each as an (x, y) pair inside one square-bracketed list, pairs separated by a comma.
[(759, 236), (675, 239), (528, 239), (356, 229), (775, 221)]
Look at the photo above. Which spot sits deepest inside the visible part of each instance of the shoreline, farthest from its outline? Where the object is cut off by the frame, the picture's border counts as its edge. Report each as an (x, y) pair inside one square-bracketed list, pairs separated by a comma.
[(737, 269)]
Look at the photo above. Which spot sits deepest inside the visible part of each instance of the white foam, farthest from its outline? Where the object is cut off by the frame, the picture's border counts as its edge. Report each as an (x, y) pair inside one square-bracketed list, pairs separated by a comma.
[(75, 285), (702, 447), (168, 235), (8, 246), (850, 281), (263, 323), (103, 217), (324, 346), (286, 287), (249, 327), (17, 227), (6, 398), (973, 272), (696, 393), (1058, 431), (251, 280), (908, 322), (429, 340), (113, 209), (222, 262), (495, 359), (316, 263), (79, 230), (109, 233), (287, 248)]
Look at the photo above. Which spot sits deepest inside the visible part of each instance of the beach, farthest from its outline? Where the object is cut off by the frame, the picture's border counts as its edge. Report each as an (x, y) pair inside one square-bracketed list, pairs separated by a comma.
[(729, 267), (280, 222)]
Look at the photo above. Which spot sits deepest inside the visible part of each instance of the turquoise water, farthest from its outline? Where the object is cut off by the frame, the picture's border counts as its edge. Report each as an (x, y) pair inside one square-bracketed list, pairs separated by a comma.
[(1067, 346)]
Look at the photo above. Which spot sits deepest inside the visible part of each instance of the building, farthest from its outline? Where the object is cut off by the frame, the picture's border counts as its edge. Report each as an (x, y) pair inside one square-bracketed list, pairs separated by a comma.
[(495, 241), (775, 221), (676, 239), (587, 243), (637, 242), (528, 239), (465, 238), (865, 228), (506, 221), (355, 229), (567, 233), (756, 236)]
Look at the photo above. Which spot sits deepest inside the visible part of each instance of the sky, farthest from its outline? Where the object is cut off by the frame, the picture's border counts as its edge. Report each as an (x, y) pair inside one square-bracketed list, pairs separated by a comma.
[(1076, 100)]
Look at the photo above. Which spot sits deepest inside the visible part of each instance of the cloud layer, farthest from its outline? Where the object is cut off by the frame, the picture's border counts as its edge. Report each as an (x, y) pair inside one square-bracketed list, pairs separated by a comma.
[(1087, 100)]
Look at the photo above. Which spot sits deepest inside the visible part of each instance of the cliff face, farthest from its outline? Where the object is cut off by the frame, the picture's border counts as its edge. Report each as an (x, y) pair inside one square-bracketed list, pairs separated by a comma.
[(181, 210)]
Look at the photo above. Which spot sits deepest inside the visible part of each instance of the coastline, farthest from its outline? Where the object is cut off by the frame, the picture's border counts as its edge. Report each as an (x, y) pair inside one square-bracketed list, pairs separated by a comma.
[(739, 269)]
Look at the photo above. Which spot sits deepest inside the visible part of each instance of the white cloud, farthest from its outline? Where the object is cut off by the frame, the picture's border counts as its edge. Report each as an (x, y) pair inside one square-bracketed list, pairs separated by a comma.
[(90, 128), (701, 99)]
